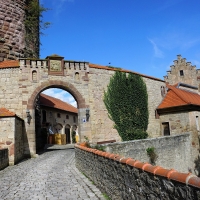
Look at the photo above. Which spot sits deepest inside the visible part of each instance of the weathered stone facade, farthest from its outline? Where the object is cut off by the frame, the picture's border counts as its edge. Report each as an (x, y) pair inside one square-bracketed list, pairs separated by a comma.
[(125, 178), (21, 86), (173, 152), (12, 137), (184, 72), (13, 43)]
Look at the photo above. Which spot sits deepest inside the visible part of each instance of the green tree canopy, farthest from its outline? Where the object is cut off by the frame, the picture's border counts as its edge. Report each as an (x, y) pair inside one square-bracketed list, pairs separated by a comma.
[(126, 100)]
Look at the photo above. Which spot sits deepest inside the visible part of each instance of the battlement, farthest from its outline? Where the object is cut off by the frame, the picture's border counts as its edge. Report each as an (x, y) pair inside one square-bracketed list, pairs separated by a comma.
[(44, 63)]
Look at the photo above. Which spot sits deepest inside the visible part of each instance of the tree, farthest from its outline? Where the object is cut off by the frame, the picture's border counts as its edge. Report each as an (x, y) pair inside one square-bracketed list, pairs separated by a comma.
[(126, 100), (33, 26)]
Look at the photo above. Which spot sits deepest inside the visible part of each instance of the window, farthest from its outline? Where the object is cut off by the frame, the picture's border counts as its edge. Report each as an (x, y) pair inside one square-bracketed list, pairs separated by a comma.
[(67, 116), (197, 122), (34, 76), (58, 115), (181, 73), (77, 76), (74, 119), (165, 127)]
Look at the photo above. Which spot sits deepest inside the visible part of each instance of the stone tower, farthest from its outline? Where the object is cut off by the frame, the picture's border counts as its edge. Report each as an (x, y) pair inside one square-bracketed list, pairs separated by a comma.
[(14, 43)]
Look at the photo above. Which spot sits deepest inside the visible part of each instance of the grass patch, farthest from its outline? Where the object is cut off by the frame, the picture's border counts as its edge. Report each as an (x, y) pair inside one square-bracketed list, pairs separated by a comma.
[(106, 196)]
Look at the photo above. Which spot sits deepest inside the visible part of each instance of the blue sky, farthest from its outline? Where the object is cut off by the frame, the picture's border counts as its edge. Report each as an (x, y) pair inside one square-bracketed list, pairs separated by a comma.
[(139, 35)]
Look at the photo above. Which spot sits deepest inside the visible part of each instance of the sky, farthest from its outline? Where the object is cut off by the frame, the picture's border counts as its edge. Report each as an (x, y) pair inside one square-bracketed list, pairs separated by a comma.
[(144, 36)]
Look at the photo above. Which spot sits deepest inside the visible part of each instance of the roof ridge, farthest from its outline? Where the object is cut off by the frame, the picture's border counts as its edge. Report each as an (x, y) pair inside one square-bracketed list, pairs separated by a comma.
[(57, 99), (56, 103)]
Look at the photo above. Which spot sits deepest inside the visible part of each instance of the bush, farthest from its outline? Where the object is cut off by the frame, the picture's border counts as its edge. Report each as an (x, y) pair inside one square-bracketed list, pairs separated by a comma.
[(126, 100)]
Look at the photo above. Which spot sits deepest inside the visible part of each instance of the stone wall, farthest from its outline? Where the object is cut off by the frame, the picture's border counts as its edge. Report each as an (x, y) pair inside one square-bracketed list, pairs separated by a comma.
[(102, 128), (125, 178), (19, 139), (12, 29), (12, 137), (173, 152), (4, 161), (14, 43), (185, 122), (21, 86)]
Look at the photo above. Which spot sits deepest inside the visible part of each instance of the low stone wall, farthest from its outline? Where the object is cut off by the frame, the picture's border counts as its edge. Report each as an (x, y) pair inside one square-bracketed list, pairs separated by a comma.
[(174, 152), (125, 178), (12, 138), (4, 161)]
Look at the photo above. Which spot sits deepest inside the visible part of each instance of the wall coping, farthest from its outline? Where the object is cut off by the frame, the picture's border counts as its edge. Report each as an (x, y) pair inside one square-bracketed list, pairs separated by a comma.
[(148, 139), (170, 174)]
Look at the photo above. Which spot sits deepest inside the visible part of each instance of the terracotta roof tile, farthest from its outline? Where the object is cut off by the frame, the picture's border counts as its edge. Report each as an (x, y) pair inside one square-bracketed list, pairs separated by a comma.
[(9, 64), (6, 113), (179, 97), (122, 70), (56, 103)]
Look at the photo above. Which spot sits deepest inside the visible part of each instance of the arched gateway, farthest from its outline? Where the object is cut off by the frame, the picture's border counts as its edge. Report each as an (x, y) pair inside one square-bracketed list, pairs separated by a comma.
[(21, 81)]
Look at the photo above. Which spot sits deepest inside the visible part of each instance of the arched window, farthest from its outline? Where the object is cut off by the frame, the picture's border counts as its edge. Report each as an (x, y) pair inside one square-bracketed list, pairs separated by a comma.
[(34, 76), (77, 76)]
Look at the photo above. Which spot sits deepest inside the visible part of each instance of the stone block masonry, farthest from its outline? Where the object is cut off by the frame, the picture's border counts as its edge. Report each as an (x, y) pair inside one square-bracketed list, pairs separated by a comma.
[(20, 85), (12, 29), (126, 178), (13, 42), (172, 151)]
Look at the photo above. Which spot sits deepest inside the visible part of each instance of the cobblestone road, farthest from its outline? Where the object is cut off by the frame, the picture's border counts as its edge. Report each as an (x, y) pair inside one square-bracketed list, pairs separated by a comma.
[(50, 176)]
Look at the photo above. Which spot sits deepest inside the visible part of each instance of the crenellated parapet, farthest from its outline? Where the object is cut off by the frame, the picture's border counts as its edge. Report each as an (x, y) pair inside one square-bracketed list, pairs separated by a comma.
[(37, 69), (182, 71)]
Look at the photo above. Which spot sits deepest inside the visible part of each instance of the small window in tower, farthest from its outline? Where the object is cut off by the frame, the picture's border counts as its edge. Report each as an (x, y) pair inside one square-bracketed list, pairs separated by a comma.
[(181, 73), (58, 115), (34, 76), (77, 76), (197, 122)]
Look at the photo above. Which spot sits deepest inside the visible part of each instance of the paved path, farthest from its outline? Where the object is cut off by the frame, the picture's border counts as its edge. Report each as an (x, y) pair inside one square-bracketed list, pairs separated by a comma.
[(50, 176)]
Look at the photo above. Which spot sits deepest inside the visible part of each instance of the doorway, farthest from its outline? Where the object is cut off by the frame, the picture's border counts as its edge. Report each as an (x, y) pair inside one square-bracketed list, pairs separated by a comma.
[(67, 132)]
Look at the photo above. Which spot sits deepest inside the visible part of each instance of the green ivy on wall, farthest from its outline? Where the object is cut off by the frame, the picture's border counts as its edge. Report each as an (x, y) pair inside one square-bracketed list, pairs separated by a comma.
[(33, 26), (126, 100)]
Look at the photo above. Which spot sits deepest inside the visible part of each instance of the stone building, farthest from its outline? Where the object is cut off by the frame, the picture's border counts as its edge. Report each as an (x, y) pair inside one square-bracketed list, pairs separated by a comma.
[(183, 72), (12, 135), (58, 116)]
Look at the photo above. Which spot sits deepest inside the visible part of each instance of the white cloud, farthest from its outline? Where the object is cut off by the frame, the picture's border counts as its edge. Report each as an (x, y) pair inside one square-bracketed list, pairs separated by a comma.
[(157, 52), (59, 5), (62, 95)]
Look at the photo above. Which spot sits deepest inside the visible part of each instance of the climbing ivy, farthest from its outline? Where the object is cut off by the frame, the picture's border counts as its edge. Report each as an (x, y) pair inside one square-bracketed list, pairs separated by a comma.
[(126, 100), (33, 26)]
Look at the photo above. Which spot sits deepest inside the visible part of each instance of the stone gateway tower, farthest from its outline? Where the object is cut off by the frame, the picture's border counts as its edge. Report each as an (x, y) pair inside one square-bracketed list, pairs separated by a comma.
[(15, 40)]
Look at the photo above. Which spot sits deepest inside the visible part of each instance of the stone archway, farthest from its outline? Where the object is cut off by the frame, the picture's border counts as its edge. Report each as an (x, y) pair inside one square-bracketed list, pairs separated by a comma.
[(30, 128), (58, 84)]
